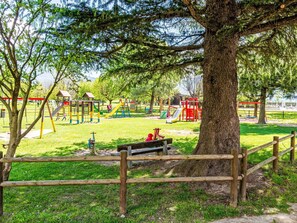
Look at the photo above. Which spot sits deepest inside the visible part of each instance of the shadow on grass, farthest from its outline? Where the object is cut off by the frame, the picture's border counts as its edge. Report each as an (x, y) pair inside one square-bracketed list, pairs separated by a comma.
[(100, 145)]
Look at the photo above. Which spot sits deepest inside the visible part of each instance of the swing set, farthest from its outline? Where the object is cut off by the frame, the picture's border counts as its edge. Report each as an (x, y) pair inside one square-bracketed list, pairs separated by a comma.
[(35, 101)]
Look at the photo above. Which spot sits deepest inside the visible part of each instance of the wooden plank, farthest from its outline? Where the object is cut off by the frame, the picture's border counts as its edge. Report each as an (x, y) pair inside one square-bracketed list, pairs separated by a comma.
[(123, 185), (285, 151), (275, 154), (148, 150), (182, 157), (139, 145), (286, 137), (244, 164), (179, 179), (259, 165), (58, 182), (256, 149), (61, 159), (234, 182)]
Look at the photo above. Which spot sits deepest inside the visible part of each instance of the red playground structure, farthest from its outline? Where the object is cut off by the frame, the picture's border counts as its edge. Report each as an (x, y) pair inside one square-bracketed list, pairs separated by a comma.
[(191, 110)]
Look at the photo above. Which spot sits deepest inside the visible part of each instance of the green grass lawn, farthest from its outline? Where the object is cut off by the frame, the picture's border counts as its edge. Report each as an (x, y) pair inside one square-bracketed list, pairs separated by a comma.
[(146, 202)]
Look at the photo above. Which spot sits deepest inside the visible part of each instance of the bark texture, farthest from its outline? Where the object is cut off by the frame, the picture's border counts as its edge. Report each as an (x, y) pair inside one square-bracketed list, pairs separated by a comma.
[(262, 115), (219, 130)]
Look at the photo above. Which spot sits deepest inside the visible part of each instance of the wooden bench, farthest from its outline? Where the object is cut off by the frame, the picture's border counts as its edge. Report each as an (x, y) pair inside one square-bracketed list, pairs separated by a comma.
[(161, 147)]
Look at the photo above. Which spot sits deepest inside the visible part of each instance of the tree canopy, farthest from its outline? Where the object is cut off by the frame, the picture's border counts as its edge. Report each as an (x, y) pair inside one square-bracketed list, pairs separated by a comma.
[(160, 36)]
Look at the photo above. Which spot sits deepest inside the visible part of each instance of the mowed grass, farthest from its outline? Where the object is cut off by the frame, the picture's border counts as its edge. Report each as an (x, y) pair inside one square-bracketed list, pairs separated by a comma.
[(157, 202)]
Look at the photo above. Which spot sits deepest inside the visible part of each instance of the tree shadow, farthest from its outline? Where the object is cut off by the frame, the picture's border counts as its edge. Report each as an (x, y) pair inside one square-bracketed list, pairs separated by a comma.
[(70, 150)]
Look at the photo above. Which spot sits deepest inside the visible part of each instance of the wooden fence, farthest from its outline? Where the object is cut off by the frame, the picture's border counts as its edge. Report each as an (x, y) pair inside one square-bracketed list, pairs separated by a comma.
[(233, 178)]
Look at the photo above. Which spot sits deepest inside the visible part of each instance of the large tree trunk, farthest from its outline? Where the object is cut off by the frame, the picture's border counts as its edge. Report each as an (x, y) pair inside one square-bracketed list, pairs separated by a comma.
[(262, 115), (219, 130)]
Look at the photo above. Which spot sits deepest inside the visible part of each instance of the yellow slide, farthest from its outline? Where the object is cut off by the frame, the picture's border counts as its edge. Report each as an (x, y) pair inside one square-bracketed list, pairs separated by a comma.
[(114, 110)]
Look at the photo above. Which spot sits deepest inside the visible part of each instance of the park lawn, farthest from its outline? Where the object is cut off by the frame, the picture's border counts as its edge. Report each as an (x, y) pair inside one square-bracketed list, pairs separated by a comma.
[(157, 202)]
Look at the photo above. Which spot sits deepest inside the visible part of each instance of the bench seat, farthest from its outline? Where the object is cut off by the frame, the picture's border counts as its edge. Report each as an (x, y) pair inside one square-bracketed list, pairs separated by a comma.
[(160, 146)]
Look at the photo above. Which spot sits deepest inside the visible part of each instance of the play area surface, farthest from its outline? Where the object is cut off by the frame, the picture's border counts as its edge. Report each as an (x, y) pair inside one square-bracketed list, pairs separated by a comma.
[(30, 135)]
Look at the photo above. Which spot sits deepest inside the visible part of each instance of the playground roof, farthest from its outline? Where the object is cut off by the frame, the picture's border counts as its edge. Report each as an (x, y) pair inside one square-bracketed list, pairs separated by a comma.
[(63, 94), (88, 95)]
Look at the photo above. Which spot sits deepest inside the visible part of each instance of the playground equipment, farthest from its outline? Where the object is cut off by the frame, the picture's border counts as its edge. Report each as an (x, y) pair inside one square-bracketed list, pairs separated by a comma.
[(121, 110), (176, 115), (189, 111), (246, 105), (36, 100), (91, 143), (83, 110), (155, 136), (114, 110)]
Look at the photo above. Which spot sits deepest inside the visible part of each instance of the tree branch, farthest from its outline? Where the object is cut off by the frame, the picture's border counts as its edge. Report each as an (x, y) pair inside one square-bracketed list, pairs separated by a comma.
[(270, 25), (194, 13)]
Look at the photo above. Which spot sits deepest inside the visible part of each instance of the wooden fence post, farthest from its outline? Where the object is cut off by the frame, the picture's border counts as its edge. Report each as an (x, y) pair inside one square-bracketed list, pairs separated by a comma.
[(244, 175), (234, 182), (1, 188), (292, 153), (123, 185), (275, 153)]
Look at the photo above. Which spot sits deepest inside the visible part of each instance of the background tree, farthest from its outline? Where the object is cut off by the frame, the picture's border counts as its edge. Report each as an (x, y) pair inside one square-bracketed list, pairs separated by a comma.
[(108, 88), (266, 75), (192, 84), (25, 51), (169, 35)]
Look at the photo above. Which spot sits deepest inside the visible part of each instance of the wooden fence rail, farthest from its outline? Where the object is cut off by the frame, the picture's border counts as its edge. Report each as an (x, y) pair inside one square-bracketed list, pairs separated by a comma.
[(276, 153), (233, 178)]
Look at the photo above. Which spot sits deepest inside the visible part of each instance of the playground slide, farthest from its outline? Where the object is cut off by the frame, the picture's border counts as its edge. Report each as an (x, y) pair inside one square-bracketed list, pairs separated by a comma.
[(96, 109), (57, 110), (114, 110), (175, 116)]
